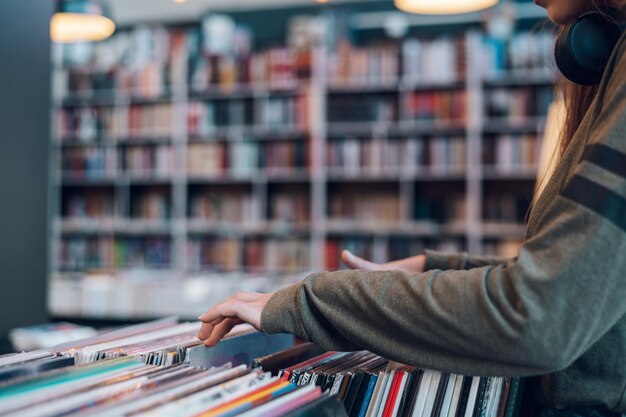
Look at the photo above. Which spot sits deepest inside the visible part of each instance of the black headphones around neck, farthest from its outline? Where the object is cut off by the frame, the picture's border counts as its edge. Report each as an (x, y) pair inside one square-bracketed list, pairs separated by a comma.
[(583, 48)]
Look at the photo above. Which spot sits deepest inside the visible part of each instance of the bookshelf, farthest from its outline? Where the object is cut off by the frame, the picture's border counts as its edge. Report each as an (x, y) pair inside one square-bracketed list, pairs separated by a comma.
[(187, 176)]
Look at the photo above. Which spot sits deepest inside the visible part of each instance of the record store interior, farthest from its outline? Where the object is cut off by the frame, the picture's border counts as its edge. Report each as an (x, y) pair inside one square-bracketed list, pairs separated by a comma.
[(312, 208)]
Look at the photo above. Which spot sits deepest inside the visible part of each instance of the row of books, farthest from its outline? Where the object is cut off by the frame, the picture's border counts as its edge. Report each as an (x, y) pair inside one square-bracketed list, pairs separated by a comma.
[(354, 156), (524, 51), (290, 255), (95, 204), (87, 252), (105, 162), (216, 159), (518, 103), (506, 207), (512, 152), (350, 65), (349, 156), (444, 108), (275, 69), (89, 162), (159, 52), (152, 204), (149, 161), (203, 159), (366, 108), (224, 207), (256, 255), (273, 113), (379, 207), (142, 62), (89, 124), (92, 124), (434, 61), (221, 159), (447, 207), (242, 208), (290, 207), (416, 61), (205, 116)]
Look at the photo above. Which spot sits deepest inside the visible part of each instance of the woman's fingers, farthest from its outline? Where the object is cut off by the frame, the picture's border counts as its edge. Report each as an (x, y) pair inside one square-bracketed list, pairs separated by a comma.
[(243, 307), (207, 328), (354, 262), (221, 330), (227, 308)]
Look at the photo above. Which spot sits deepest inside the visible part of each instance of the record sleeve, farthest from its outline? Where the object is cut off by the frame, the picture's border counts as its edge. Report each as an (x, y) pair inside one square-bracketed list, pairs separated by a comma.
[(447, 398), (280, 360), (432, 393), (456, 396), (406, 406), (472, 397), (441, 390), (422, 395)]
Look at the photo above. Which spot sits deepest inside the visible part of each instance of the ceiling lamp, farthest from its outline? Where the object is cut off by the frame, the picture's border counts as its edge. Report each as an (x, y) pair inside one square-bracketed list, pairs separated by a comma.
[(80, 21), (443, 6)]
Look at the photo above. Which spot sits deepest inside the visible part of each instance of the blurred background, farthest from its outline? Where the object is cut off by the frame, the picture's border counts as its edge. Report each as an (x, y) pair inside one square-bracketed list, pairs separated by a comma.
[(178, 151)]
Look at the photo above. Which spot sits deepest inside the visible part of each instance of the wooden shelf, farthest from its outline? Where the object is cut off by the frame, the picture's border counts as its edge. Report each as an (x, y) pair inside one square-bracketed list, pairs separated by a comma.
[(241, 91), (202, 227), (404, 127), (521, 78), (114, 226), (533, 124), (516, 173)]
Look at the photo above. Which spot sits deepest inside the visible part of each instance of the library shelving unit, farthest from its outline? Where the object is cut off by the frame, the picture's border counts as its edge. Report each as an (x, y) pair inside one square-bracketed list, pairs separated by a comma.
[(181, 176)]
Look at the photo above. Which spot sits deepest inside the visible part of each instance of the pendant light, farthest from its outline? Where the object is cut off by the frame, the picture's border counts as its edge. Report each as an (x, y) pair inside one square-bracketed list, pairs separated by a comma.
[(80, 21), (443, 6)]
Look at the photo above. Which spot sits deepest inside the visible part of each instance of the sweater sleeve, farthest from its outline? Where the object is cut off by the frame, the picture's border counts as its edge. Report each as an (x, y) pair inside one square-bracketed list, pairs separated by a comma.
[(461, 260), (534, 314)]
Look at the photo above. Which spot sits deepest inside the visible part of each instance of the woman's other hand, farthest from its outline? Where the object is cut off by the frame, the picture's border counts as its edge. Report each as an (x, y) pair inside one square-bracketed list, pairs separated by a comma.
[(243, 307), (412, 264)]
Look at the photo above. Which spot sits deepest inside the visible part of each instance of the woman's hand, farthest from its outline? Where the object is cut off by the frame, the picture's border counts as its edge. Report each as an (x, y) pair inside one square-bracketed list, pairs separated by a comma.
[(243, 307), (412, 264)]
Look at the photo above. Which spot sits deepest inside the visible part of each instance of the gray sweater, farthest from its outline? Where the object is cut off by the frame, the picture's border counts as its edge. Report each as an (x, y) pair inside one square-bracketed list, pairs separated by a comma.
[(557, 310)]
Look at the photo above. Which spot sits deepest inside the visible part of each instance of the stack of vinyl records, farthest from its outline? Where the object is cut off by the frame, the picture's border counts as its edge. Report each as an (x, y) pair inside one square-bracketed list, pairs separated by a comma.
[(127, 386), (371, 386), (160, 368), (145, 370)]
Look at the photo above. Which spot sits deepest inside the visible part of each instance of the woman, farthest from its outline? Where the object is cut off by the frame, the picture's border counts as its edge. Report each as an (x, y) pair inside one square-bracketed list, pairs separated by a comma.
[(557, 310)]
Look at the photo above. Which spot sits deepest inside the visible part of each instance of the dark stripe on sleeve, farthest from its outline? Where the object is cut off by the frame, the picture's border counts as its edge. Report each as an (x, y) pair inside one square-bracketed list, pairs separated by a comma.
[(607, 158), (597, 198)]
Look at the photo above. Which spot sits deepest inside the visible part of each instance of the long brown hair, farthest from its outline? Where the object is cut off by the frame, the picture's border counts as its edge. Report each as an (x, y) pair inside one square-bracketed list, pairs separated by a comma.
[(576, 102), (578, 98)]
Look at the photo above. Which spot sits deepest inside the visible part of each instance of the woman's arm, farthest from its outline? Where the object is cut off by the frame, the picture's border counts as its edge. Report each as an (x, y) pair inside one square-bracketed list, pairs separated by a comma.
[(430, 259), (461, 260)]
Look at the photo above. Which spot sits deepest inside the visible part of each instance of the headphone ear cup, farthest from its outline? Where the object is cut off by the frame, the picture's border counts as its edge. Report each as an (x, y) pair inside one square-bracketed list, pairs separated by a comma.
[(584, 46)]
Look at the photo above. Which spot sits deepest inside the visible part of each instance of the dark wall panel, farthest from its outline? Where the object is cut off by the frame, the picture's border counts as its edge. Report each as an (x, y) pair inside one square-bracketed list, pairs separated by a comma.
[(24, 139)]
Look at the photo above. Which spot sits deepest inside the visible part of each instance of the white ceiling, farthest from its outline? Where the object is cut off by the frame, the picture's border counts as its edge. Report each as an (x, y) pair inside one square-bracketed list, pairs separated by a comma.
[(126, 12)]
